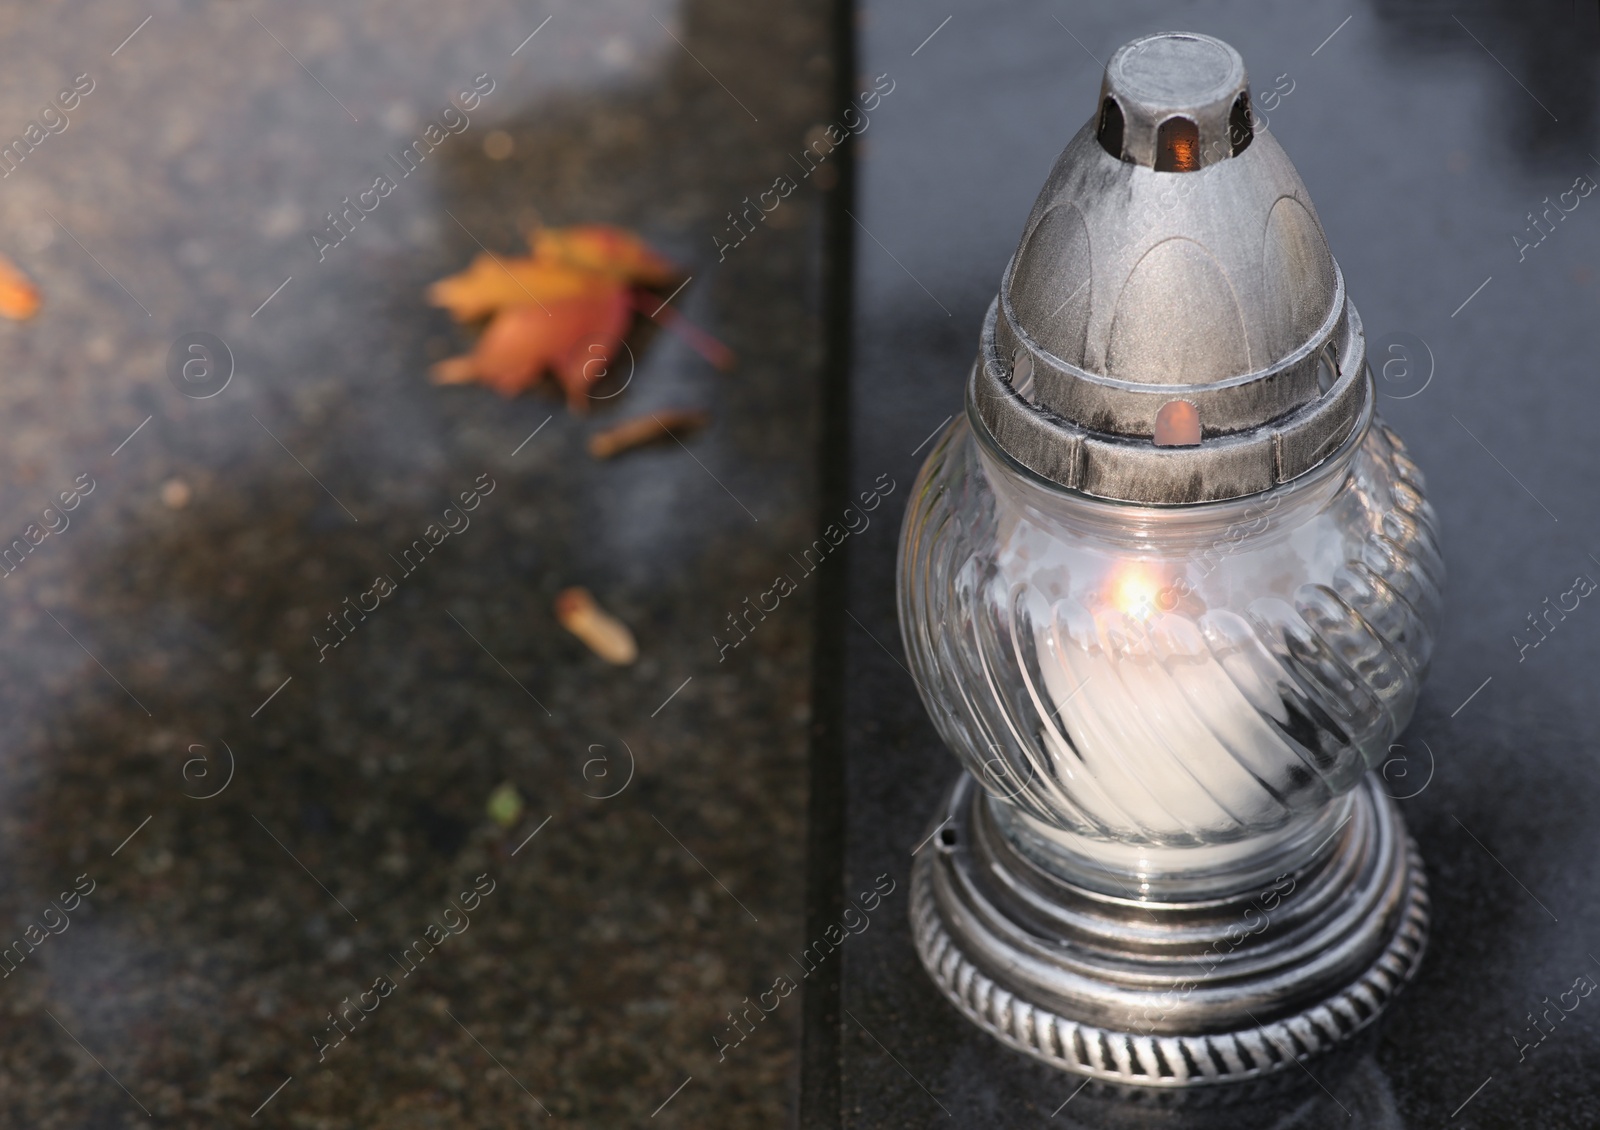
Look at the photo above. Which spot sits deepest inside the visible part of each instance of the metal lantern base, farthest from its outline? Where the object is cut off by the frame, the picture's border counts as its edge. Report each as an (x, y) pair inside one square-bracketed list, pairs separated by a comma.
[(1170, 993)]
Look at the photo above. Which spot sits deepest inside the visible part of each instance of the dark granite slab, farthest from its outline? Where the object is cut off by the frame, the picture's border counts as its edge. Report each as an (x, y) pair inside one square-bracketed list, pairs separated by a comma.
[(271, 827), (1426, 133)]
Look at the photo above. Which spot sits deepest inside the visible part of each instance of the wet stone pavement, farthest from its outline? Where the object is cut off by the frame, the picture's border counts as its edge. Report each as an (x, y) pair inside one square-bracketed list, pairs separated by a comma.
[(267, 829)]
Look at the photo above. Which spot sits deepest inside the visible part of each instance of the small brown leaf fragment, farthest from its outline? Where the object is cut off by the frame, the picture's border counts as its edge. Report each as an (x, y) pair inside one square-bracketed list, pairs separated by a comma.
[(645, 429), (606, 636), (454, 371), (19, 298)]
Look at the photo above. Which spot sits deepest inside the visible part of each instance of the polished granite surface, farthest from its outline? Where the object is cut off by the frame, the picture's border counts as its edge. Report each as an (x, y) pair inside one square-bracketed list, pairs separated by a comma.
[(266, 828), (1426, 133)]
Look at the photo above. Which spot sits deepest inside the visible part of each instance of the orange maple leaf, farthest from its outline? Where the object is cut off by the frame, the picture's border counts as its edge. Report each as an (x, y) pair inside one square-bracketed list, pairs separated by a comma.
[(566, 262), (564, 310), (575, 338)]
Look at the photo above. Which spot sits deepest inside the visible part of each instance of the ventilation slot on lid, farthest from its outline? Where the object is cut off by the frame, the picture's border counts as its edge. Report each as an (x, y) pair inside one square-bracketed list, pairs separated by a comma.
[(1110, 134), (1241, 131), (1177, 146)]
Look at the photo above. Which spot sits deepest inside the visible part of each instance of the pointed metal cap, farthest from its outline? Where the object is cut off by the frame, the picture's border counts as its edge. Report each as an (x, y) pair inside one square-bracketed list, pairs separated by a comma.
[(1172, 327)]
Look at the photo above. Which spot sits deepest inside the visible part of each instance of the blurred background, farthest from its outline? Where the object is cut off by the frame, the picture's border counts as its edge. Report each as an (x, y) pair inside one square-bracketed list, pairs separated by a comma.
[(461, 869), (299, 815)]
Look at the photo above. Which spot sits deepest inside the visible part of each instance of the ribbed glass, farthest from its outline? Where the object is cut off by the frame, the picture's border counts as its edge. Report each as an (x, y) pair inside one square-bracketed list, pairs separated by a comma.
[(1170, 676)]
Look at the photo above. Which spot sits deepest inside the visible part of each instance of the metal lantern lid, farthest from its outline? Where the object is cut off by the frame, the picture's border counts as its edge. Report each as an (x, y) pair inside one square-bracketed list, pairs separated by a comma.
[(1172, 327)]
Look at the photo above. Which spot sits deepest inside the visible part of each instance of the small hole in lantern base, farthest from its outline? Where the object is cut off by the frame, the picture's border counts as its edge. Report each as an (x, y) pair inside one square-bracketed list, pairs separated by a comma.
[(1177, 425), (948, 838)]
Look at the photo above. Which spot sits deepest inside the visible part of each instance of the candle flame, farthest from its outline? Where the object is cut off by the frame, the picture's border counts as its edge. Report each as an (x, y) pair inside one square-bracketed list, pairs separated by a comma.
[(1133, 591)]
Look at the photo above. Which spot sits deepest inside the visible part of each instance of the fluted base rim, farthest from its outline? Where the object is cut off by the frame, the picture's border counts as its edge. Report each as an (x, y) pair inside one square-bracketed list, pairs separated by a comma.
[(974, 965)]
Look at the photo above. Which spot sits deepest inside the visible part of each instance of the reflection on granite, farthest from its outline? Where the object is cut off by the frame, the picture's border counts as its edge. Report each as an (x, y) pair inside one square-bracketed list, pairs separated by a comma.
[(301, 912)]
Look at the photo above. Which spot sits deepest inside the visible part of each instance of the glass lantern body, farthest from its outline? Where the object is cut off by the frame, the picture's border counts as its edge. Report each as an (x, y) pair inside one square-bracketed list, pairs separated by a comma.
[(1157, 694)]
